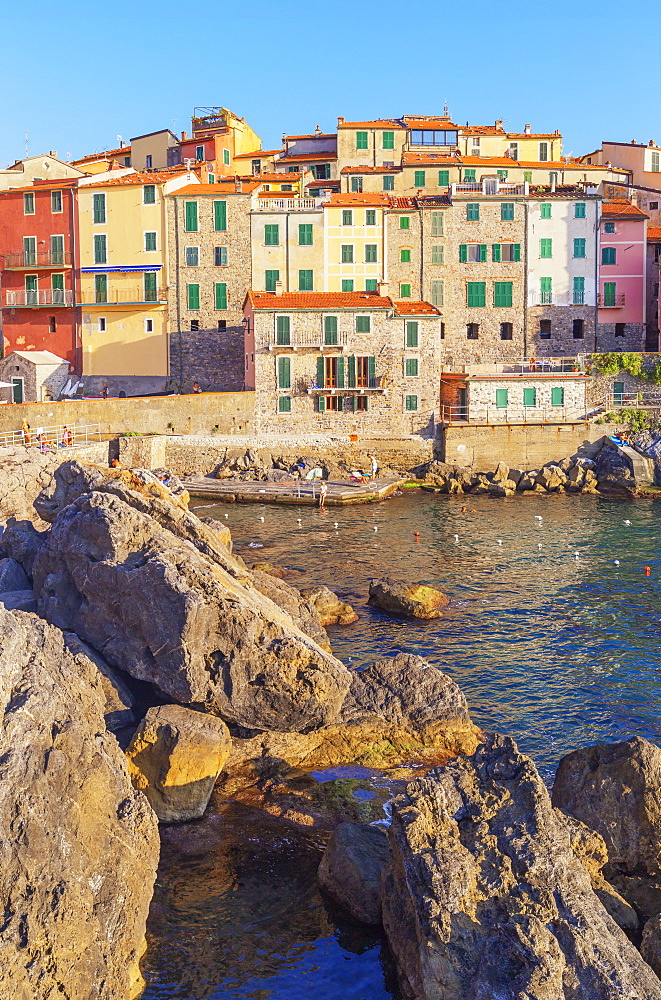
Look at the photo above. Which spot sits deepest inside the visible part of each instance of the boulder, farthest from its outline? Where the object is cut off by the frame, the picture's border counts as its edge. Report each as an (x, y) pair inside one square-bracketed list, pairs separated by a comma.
[(515, 475), (331, 609), (19, 600), (175, 757), (272, 569), (615, 789), (485, 897), (21, 541), (551, 477), (352, 867), (650, 945), (156, 607), (527, 481), (24, 472), (301, 611), (502, 472), (613, 470), (120, 708), (411, 600), (503, 488), (12, 576), (78, 845), (220, 530)]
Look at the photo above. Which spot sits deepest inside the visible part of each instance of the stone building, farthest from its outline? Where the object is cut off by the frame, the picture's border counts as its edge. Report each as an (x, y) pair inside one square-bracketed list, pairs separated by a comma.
[(349, 362), (502, 393), (34, 376), (653, 305)]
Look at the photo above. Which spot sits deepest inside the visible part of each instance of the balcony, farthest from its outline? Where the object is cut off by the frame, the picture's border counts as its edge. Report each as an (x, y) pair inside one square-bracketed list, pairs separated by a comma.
[(310, 339), (35, 261), (289, 204), (611, 301), (377, 384), (54, 297), (126, 297)]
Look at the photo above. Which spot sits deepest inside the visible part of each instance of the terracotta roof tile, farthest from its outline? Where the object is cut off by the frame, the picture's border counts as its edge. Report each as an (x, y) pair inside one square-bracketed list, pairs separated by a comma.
[(440, 122), (622, 210), (409, 308), (156, 177), (305, 157), (390, 123), (315, 135), (326, 185), (430, 157), (396, 202), (224, 189), (282, 176), (354, 198), (370, 170), (654, 234), (103, 155), (257, 153), (269, 301)]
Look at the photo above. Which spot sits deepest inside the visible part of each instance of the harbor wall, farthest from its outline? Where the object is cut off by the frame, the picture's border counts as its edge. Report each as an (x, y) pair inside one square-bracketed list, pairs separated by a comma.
[(522, 446)]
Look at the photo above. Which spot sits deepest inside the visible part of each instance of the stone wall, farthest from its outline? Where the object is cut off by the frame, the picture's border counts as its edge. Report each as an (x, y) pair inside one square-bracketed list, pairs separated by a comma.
[(521, 446), (482, 398), (633, 338), (562, 342), (213, 358)]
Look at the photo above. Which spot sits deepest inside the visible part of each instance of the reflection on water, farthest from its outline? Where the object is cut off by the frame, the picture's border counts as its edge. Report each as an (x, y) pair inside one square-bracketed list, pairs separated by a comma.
[(557, 649)]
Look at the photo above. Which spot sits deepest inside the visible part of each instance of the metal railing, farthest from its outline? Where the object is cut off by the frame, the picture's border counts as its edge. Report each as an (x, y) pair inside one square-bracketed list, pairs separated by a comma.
[(126, 296), (512, 414), (611, 301), (27, 299), (523, 366), (45, 258), (310, 386), (318, 341), (644, 399), (288, 204), (54, 437)]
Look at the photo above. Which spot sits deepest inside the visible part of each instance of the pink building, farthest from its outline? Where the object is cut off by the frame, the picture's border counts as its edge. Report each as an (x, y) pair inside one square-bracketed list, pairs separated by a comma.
[(622, 277)]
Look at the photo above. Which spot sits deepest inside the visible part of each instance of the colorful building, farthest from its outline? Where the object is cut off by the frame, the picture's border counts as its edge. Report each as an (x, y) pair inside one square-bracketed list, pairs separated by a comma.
[(622, 278)]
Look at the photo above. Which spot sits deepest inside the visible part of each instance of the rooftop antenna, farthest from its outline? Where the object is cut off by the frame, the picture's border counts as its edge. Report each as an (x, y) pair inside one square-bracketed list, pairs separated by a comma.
[(446, 110), (27, 143)]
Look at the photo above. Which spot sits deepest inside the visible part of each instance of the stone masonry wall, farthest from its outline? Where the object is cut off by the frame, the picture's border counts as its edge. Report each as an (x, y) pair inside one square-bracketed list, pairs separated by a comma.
[(562, 341), (633, 339), (482, 398)]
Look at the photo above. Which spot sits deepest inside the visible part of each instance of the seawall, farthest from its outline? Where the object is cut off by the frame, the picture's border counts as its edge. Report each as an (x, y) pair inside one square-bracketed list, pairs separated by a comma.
[(522, 446)]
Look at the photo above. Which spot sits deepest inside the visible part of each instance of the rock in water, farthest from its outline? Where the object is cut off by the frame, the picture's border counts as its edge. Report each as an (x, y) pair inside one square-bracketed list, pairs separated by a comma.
[(158, 608), (175, 757), (411, 600), (615, 789), (351, 869), (331, 609), (78, 845), (485, 897)]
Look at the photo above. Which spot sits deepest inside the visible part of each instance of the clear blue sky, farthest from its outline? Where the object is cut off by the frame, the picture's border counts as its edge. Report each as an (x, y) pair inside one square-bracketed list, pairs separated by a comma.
[(78, 74)]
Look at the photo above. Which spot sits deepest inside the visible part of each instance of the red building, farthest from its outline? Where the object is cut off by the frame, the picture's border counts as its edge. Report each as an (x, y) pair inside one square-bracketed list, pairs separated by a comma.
[(37, 269)]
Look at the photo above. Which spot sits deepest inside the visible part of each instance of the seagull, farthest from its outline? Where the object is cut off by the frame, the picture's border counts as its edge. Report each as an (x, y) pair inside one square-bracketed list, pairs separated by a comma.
[(577, 554), (538, 517), (616, 562), (456, 538), (500, 541), (336, 524), (262, 520), (375, 528), (539, 545), (627, 522)]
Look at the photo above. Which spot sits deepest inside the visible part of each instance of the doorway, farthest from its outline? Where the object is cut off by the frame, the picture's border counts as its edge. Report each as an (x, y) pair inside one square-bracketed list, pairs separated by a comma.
[(17, 390)]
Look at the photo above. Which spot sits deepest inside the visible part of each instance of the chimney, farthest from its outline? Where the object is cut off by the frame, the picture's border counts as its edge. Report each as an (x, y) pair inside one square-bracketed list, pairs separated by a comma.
[(553, 182), (53, 152), (383, 288), (238, 185), (340, 121), (527, 129), (317, 131), (278, 288), (184, 136), (651, 142), (499, 123)]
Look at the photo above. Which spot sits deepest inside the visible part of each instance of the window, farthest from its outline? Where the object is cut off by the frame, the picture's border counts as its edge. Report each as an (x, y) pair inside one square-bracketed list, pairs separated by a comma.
[(199, 152), (577, 329), (270, 280), (419, 179), (388, 140), (543, 151), (149, 326), (476, 293), (347, 284), (437, 254), (505, 331), (190, 217), (609, 227), (434, 137), (150, 287), (370, 253), (579, 210), (347, 253), (412, 333), (608, 255), (192, 256), (545, 211), (361, 372), (502, 294), (472, 213), (330, 331), (620, 329), (557, 396), (222, 325), (272, 235), (506, 253), (330, 372), (404, 222), (546, 291), (361, 140), (469, 174), (507, 211), (437, 223), (411, 404), (370, 284), (194, 325), (473, 253), (150, 242), (405, 255), (52, 324), (220, 216), (193, 296), (30, 250), (501, 398), (305, 281), (347, 217), (283, 330), (220, 295), (220, 256), (405, 291), (388, 183), (99, 208), (502, 175), (321, 171), (411, 367), (256, 167), (530, 396), (527, 176), (514, 150), (472, 331), (360, 403), (370, 217), (546, 248), (305, 234), (284, 402), (284, 373), (102, 324), (442, 331), (443, 178), (57, 286), (578, 296), (545, 329), (56, 201), (226, 157), (100, 287), (148, 162), (100, 249), (357, 184), (579, 248), (127, 161), (656, 163), (610, 293), (149, 194), (363, 324), (57, 249), (437, 293), (653, 205)]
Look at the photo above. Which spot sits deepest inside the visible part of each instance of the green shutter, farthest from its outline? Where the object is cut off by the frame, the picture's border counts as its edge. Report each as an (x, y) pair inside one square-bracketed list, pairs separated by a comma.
[(370, 284), (502, 293), (220, 216), (579, 210), (437, 223), (150, 241), (347, 284), (546, 248), (284, 373), (610, 293), (463, 256), (282, 331), (305, 281), (530, 397), (404, 222), (443, 178), (476, 293), (469, 174), (579, 291), (405, 291), (99, 202), (437, 254), (100, 250), (501, 398), (347, 217), (330, 331), (320, 372), (272, 235), (419, 179), (190, 224), (193, 296), (412, 333), (579, 248), (388, 183), (100, 287), (557, 396), (149, 194), (483, 252), (370, 217), (388, 140), (371, 369), (221, 295), (472, 213), (411, 366), (151, 293), (527, 176), (270, 280), (545, 211), (495, 252), (517, 251), (361, 140), (284, 403), (363, 324), (351, 372), (57, 282), (411, 403), (507, 211), (340, 373), (370, 253), (321, 403), (305, 234)]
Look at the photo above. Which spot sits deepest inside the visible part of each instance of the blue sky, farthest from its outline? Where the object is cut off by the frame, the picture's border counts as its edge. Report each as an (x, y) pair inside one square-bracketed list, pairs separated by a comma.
[(78, 74)]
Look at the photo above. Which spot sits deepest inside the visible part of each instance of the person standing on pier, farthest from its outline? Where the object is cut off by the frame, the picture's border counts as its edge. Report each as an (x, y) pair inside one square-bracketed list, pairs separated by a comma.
[(323, 490)]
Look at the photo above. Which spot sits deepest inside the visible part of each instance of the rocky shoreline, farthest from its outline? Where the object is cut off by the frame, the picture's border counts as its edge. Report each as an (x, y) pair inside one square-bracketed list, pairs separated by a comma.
[(153, 669)]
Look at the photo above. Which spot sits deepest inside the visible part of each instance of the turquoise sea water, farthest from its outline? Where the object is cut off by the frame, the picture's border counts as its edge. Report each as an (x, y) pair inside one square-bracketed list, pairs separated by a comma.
[(557, 649)]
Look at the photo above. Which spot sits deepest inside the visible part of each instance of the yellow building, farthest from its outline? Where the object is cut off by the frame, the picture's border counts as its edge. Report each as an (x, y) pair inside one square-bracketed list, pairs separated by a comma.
[(123, 273), (354, 242)]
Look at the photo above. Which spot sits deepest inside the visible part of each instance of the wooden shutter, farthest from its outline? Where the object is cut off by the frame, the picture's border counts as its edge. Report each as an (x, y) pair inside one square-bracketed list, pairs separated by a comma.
[(151, 294), (404, 222), (411, 366), (495, 252), (340, 373), (351, 370), (283, 331), (284, 373), (193, 296), (99, 201), (501, 398), (529, 397), (330, 330), (321, 381), (371, 368), (419, 179), (221, 295), (220, 216), (443, 178), (190, 224), (557, 396), (483, 252), (463, 255), (284, 404), (321, 403), (412, 333), (517, 251)]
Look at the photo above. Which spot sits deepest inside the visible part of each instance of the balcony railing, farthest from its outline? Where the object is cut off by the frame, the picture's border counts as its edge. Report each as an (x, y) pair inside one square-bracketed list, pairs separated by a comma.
[(512, 414), (45, 258), (23, 299), (315, 340), (126, 296), (522, 366), (611, 301), (378, 383), (288, 204)]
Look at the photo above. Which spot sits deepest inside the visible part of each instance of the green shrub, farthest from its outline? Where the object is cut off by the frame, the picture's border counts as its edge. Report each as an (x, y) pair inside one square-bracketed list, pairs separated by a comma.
[(617, 361)]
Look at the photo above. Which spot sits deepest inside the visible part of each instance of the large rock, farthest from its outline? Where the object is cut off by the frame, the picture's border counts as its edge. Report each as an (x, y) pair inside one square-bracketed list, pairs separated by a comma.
[(615, 788), (21, 541), (410, 600), (485, 897), (301, 611), (614, 470), (19, 600), (352, 867), (119, 708), (78, 845), (12, 576), (24, 472), (175, 757), (650, 945), (331, 609), (158, 608)]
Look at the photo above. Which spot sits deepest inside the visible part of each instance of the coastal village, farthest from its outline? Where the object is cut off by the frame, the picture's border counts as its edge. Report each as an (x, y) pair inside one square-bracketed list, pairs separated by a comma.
[(329, 566)]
